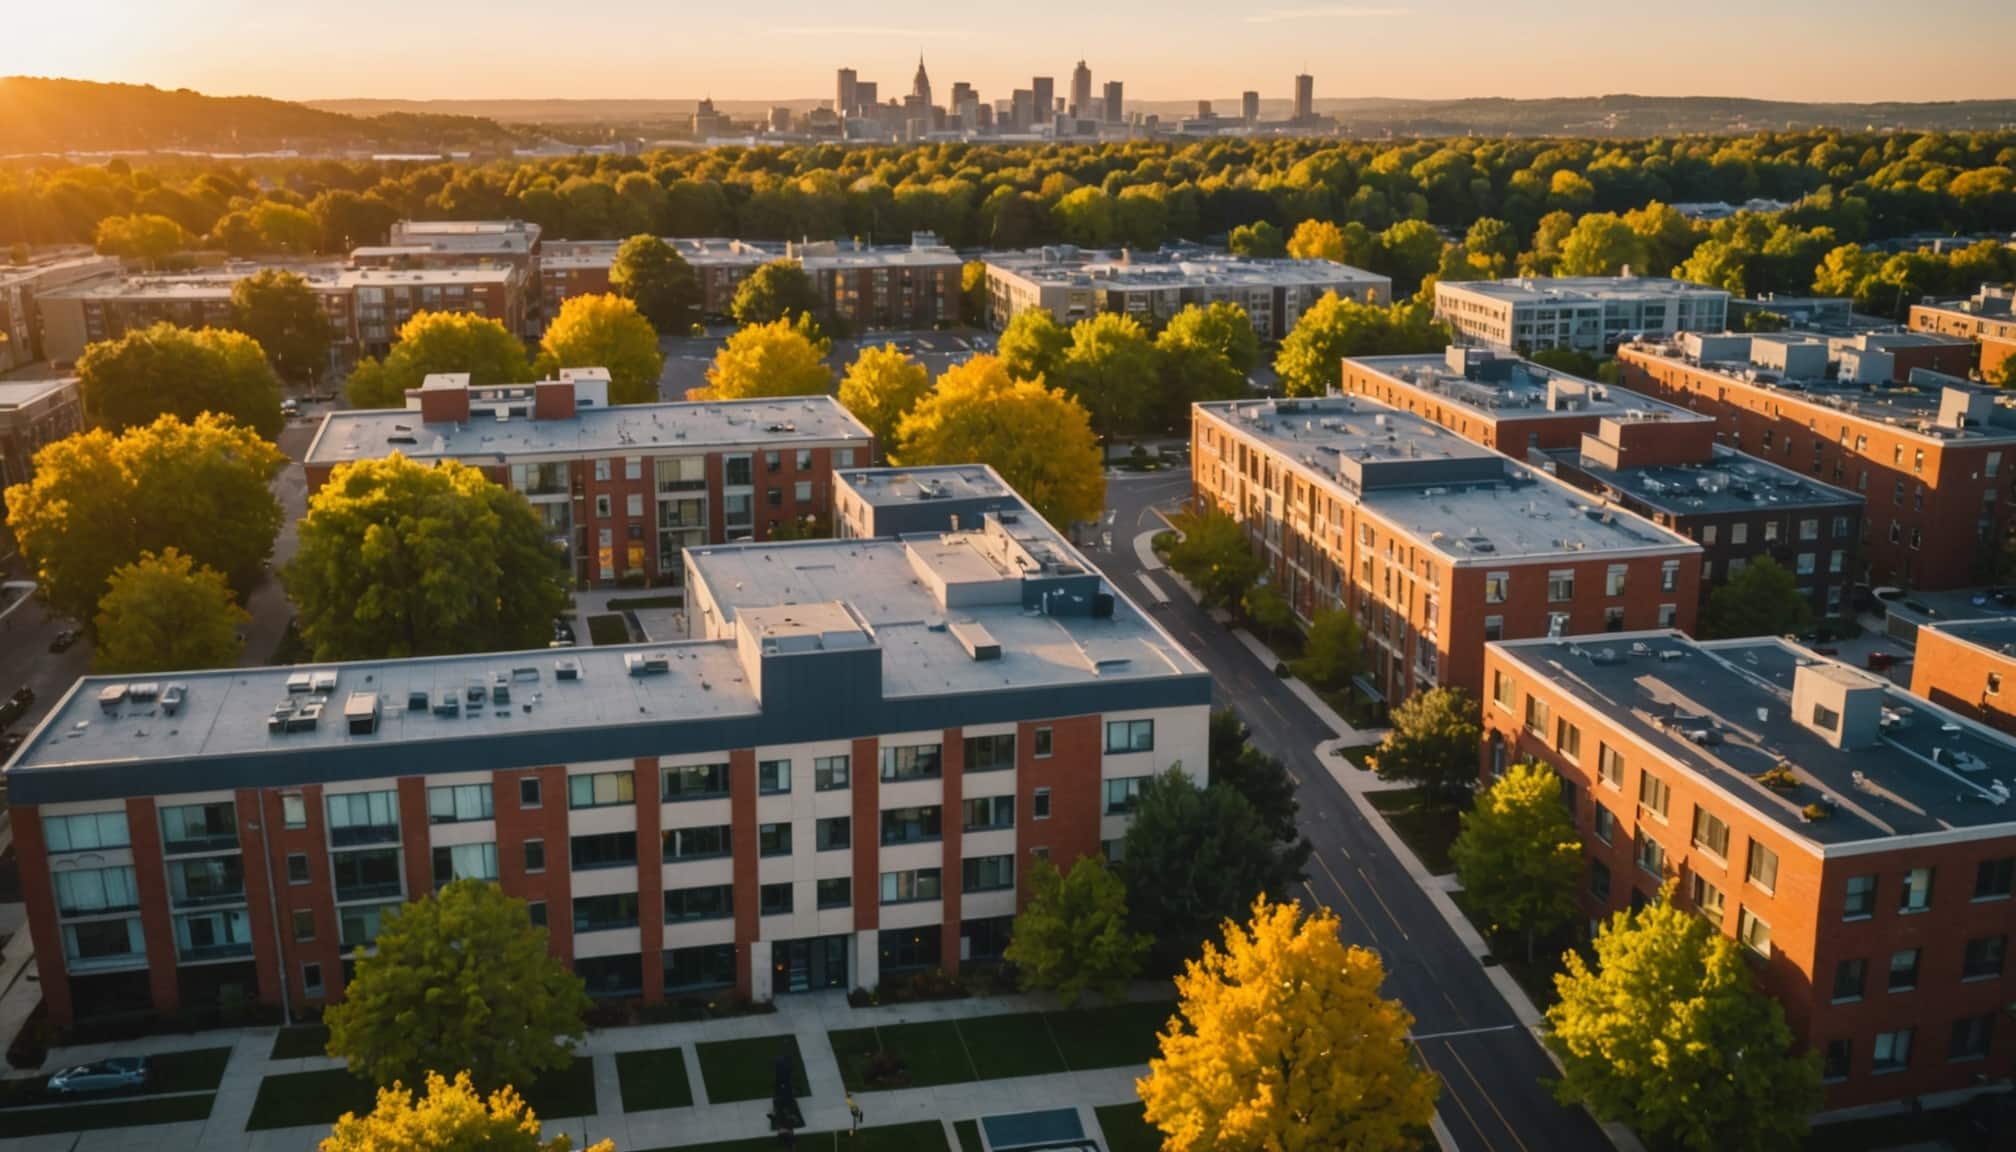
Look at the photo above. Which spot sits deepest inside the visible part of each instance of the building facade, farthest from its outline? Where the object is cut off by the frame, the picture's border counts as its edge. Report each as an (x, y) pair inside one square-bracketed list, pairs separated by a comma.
[(1988, 318), (1073, 284), (1585, 313), (1850, 837), (1434, 544), (888, 286), (820, 789), (569, 268), (33, 413), (1964, 665), (20, 317)]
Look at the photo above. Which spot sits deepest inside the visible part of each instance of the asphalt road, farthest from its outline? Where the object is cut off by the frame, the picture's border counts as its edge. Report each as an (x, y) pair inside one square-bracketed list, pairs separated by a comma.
[(1492, 1098)]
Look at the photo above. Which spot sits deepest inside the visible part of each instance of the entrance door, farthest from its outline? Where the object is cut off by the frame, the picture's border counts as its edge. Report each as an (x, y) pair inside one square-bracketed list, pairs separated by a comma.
[(808, 965)]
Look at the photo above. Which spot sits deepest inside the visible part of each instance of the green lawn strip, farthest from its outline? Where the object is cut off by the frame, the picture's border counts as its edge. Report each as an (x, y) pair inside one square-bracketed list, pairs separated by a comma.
[(932, 1053), (300, 1042), (745, 1069), (564, 1093), (1536, 978), (968, 1132), (1360, 756), (197, 1070), (1111, 1036), (920, 1136), (653, 1078), (1427, 831), (608, 628), (297, 1099), (113, 1113), (1018, 1044), (1126, 1128)]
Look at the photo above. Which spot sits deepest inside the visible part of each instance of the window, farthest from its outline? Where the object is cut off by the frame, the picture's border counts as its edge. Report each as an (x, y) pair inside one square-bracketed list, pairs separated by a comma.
[(1992, 878), (601, 789), (1763, 871), (1851, 977), (1740, 533), (1904, 970), (695, 782), (528, 792), (1917, 894), (603, 850), (1983, 958), (1042, 804), (710, 902), (199, 828), (633, 467), (1753, 933), (304, 925), (705, 966), (1599, 880), (1669, 615), (832, 834), (773, 497), (1613, 580), (912, 825), (1568, 740), (293, 811), (1653, 795), (1651, 855), (773, 461), (1494, 628), (909, 949), (1707, 899), (906, 887), (1497, 585), (101, 943), (604, 506), (829, 773), (535, 911), (1042, 750), (1893, 1051), (915, 762), (369, 875), (1610, 766), (773, 777), (1860, 902), (986, 812), (1561, 586), (94, 891), (699, 843), (1606, 824), (213, 880), (736, 472), (602, 913), (1711, 835), (774, 899), (987, 873), (1669, 575), (363, 818), (1123, 795), (602, 470), (311, 979), (1538, 714), (456, 803), (773, 839), (835, 892), (1504, 689), (1972, 1038), (990, 753), (802, 491), (535, 856), (1835, 1066), (1130, 736), (297, 868)]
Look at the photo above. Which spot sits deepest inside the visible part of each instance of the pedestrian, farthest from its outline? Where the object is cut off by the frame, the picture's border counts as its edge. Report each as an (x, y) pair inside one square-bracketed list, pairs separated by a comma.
[(853, 1110)]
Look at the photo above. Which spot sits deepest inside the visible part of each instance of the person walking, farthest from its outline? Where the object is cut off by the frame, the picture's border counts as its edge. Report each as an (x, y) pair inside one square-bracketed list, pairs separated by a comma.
[(854, 1111)]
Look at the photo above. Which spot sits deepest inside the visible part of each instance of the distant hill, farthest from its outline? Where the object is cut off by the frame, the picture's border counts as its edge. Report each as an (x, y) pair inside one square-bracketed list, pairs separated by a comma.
[(51, 115)]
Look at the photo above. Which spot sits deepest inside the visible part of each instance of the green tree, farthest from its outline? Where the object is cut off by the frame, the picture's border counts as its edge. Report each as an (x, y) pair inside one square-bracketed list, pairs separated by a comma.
[(451, 1117), (460, 979), (1518, 856), (1214, 557), (1260, 778), (1222, 328), (1492, 245), (164, 613), (1203, 354), (99, 501), (151, 240), (973, 305), (779, 290), (779, 358), (1761, 600), (1037, 438), (1669, 1034), (278, 309), (1413, 250), (401, 559), (1072, 934), (1600, 244), (652, 274), (169, 371), (881, 386), (1110, 368), (1310, 359), (1259, 240), (434, 342), (1334, 651), (1195, 858), (1033, 345), (605, 331), (1434, 744)]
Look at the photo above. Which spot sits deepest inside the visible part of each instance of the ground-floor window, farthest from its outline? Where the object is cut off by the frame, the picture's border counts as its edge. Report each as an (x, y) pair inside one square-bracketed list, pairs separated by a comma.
[(608, 976), (910, 949), (985, 938)]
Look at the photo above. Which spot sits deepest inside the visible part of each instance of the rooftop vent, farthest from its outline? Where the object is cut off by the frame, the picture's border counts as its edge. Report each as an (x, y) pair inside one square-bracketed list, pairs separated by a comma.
[(647, 663), (416, 700), (447, 703), (111, 697), (360, 712), (567, 668), (299, 682), (305, 718), (172, 698), (324, 682)]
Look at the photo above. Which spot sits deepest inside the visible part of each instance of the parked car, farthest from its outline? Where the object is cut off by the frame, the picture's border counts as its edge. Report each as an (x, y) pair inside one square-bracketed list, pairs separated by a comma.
[(17, 705), (118, 1074), (64, 640)]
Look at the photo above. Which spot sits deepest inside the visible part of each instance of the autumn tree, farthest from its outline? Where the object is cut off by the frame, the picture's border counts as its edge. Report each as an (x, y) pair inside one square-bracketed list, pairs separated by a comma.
[(780, 358), (1763, 599), (1282, 1041), (1350, 243), (279, 310), (652, 274), (148, 239), (1213, 556), (451, 1117), (1205, 354), (1259, 240), (1410, 251), (164, 613), (460, 978), (100, 501), (1310, 361), (1033, 345), (434, 342), (1072, 934), (881, 386), (1110, 368), (398, 559), (604, 331), (1434, 744), (1668, 1032), (1334, 650), (1037, 438), (1518, 856), (164, 370), (779, 290), (973, 304)]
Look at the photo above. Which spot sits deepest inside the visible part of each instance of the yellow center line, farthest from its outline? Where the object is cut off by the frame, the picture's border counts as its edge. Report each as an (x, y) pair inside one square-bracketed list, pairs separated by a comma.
[(1492, 1104), (1350, 903), (1382, 903), (1449, 1094)]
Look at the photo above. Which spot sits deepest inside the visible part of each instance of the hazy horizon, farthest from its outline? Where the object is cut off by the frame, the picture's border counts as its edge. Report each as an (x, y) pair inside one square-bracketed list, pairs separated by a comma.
[(1849, 51)]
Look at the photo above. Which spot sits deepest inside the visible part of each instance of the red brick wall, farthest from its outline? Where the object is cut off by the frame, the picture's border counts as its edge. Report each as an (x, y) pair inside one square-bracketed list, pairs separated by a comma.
[(1955, 674), (742, 826), (39, 891), (317, 896), (259, 895), (1071, 773), (414, 840), (439, 405), (151, 877), (865, 778), (515, 825), (650, 879), (553, 401)]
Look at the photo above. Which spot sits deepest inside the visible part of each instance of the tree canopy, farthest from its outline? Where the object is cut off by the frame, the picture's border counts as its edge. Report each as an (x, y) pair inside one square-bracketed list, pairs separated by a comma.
[(881, 386), (1336, 327), (1033, 345), (148, 239), (433, 342), (1435, 743), (1110, 368), (279, 310), (1214, 556), (779, 290), (1334, 650), (1761, 600), (164, 370), (451, 1116), (1205, 354), (605, 331), (1039, 439), (1260, 778), (1518, 856), (461, 978), (652, 274), (779, 358), (165, 613), (1072, 933), (399, 558)]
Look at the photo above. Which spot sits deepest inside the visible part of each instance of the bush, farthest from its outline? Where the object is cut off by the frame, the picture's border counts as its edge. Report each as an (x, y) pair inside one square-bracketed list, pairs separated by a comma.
[(1779, 777)]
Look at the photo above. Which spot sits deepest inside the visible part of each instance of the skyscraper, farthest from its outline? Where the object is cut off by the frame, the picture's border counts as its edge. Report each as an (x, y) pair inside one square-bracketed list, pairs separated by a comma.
[(1249, 107), (846, 93), (920, 88), (1305, 97), (1112, 109), (1081, 90), (1044, 90)]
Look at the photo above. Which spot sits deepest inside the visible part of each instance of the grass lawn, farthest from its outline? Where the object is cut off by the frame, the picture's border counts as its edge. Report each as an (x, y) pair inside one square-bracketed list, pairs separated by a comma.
[(654, 1078), (1004, 1046), (1428, 831), (198, 1070), (301, 1041), (1127, 1129), (1360, 756), (922, 1136), (746, 1069), (932, 1053), (1112, 1036), (608, 628), (294, 1099), (116, 1113), (1020, 1044), (968, 1132)]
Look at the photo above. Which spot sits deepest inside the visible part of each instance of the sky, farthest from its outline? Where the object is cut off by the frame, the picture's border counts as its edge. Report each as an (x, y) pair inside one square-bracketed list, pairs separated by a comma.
[(1831, 50)]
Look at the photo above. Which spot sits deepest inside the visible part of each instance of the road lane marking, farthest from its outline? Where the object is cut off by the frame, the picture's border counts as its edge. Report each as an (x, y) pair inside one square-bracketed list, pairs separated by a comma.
[(1465, 1032), (1490, 1103), (1276, 711), (1350, 903), (1382, 903), (1154, 589), (1449, 1094)]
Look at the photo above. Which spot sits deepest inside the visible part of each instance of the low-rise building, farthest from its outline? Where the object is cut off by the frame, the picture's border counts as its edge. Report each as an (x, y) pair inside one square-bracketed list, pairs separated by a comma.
[(1855, 840), (1988, 318), (1073, 283), (1584, 313), (33, 413), (458, 243), (20, 283), (386, 298), (841, 778), (870, 502), (1435, 544), (1970, 667), (569, 268), (886, 286), (624, 489), (107, 307)]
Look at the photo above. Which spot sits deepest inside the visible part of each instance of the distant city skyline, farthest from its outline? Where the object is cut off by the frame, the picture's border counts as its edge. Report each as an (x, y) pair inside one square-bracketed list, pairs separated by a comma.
[(1845, 50)]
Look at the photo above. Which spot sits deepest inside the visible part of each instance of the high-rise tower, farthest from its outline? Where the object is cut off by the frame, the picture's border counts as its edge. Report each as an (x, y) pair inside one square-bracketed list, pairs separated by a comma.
[(1305, 97), (1081, 90), (920, 88)]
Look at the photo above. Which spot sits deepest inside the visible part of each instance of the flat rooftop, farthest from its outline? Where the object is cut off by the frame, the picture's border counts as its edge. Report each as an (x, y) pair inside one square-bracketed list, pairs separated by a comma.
[(391, 277), (1581, 289), (1182, 267), (1465, 501), (18, 393), (213, 284), (1929, 770), (1496, 386), (890, 487), (699, 251), (1733, 482), (1995, 635), (622, 429)]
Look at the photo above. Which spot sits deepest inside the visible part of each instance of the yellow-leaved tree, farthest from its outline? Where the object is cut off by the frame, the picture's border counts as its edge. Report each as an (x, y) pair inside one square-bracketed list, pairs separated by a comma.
[(781, 358), (451, 1117), (881, 387), (1284, 1043), (1039, 439)]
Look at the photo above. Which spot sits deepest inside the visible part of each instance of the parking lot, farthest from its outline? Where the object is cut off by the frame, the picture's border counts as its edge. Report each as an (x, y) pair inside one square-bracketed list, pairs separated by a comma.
[(686, 361)]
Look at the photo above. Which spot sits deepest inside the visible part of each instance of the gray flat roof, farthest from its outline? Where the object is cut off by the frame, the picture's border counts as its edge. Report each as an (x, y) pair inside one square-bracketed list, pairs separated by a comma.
[(1734, 482), (1505, 387), (1178, 267), (1892, 788), (1556, 289), (888, 487), (15, 393), (1463, 500), (1996, 635), (623, 429)]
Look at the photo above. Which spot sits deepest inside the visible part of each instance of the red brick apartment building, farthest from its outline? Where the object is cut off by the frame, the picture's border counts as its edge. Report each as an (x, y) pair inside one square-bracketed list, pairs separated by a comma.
[(825, 787), (1872, 892), (625, 489), (569, 268), (1988, 318), (1969, 666), (1435, 544), (1927, 459)]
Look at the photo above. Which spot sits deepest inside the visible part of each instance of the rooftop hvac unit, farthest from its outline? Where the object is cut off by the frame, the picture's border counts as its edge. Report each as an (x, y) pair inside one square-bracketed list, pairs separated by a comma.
[(360, 713), (111, 697), (172, 698), (447, 703), (416, 700), (567, 668), (647, 663)]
